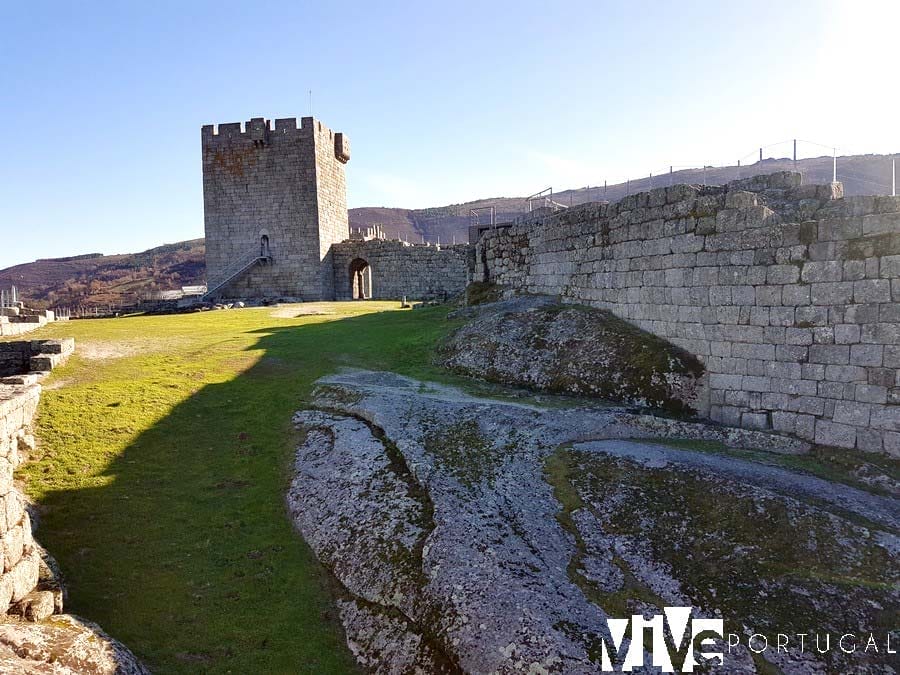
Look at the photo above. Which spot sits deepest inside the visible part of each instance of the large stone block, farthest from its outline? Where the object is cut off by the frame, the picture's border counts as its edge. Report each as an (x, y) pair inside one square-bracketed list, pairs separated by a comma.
[(24, 575), (866, 355), (829, 354), (13, 542), (837, 435), (852, 413)]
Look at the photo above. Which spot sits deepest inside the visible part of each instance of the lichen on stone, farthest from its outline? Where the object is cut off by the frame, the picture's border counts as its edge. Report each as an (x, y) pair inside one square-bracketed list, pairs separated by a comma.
[(571, 349), (481, 535)]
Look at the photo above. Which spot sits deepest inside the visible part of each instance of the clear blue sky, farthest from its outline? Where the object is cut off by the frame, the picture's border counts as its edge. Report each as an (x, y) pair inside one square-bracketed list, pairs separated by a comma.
[(443, 102)]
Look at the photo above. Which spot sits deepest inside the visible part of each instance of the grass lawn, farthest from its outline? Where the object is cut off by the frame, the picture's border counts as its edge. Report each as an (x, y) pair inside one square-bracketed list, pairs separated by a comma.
[(165, 448)]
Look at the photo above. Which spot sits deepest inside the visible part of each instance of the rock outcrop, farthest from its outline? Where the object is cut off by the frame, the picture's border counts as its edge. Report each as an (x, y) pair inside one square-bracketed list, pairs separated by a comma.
[(474, 535), (63, 645), (534, 341)]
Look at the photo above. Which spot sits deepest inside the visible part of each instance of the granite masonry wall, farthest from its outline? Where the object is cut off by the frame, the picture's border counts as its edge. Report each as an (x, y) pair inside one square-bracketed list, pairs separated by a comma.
[(788, 293), (398, 269), (14, 357), (28, 586), (33, 356), (21, 559), (285, 183), (18, 320)]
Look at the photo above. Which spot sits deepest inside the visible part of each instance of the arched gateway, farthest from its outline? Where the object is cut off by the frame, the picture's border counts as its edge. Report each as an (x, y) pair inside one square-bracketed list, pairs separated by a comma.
[(360, 279)]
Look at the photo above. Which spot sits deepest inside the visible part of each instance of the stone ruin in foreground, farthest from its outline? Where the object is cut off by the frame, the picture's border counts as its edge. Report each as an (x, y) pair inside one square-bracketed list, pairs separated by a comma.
[(28, 586), (35, 634)]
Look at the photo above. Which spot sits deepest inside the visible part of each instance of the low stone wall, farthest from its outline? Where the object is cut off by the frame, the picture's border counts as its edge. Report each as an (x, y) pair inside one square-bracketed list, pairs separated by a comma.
[(27, 585), (19, 320), (20, 571), (17, 357), (14, 357), (47, 354), (14, 326), (787, 293), (398, 269), (30, 590)]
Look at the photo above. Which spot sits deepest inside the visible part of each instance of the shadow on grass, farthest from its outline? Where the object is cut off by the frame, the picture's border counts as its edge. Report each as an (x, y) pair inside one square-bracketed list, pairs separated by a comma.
[(185, 551)]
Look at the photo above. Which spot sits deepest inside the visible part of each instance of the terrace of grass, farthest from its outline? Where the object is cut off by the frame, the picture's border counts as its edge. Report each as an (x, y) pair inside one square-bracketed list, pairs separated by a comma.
[(165, 451)]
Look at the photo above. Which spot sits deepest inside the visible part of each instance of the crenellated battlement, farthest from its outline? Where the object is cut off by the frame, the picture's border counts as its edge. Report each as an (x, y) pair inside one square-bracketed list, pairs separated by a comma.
[(257, 130), (260, 132)]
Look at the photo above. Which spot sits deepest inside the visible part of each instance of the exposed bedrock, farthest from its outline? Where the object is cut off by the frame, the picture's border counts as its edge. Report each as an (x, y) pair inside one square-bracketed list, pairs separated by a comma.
[(534, 341), (484, 536), (63, 645)]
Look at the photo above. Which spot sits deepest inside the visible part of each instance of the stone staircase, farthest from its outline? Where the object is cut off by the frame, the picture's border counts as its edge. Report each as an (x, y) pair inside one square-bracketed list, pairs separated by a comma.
[(237, 270)]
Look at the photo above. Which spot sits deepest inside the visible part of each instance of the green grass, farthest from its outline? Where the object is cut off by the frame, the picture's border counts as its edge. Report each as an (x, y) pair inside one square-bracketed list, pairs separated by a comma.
[(165, 450)]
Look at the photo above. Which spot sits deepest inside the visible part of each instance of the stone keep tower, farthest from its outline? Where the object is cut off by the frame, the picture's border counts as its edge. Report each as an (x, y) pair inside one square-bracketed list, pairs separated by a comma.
[(274, 200)]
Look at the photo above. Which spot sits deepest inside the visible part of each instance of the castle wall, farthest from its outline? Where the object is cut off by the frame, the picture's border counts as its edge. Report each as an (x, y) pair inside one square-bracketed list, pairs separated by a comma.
[(399, 269), (788, 294), (20, 559), (28, 587), (285, 182)]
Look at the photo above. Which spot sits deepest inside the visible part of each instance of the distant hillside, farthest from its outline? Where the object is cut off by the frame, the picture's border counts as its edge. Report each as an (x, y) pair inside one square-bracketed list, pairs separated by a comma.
[(441, 223), (99, 280), (95, 279)]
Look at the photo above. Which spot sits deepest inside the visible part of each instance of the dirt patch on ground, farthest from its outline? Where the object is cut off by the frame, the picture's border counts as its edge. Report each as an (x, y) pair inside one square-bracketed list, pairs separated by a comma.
[(294, 311), (106, 350), (58, 383)]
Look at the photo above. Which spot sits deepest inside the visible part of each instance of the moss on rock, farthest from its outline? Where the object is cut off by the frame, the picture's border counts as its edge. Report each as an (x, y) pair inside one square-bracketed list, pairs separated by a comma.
[(768, 562), (466, 453), (571, 349), (481, 292)]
